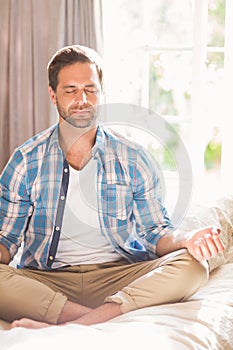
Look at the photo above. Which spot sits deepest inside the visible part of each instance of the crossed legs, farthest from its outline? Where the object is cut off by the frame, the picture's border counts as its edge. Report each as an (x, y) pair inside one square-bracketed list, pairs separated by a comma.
[(171, 278)]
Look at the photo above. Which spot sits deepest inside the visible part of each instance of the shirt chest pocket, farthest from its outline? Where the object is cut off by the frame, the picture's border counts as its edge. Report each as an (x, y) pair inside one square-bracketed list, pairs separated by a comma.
[(117, 200)]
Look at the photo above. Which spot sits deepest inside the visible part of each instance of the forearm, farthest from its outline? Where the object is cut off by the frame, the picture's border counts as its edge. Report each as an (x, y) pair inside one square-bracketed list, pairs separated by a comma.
[(4, 255), (202, 243), (170, 242)]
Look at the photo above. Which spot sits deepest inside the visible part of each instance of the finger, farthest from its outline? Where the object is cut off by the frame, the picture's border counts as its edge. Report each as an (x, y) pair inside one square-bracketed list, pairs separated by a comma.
[(218, 242), (205, 249), (198, 252), (209, 229), (215, 243), (211, 245)]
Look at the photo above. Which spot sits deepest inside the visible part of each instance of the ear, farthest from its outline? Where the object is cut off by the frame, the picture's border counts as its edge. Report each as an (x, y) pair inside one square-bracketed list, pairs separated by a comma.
[(52, 95)]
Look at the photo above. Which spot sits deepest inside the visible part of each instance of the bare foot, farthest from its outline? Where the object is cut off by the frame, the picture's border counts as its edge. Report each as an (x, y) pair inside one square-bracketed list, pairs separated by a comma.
[(101, 314), (28, 323)]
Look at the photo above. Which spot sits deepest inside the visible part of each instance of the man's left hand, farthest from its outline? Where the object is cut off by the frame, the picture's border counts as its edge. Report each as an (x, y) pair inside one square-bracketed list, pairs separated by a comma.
[(205, 243)]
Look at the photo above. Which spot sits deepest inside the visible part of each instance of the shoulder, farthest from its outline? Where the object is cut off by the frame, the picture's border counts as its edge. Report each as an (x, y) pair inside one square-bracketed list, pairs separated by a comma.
[(37, 141), (116, 139), (123, 144), (29, 153)]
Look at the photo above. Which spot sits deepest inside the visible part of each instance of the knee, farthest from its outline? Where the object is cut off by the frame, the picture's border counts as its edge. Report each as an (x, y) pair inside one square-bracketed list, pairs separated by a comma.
[(194, 274), (6, 289), (4, 273), (194, 266)]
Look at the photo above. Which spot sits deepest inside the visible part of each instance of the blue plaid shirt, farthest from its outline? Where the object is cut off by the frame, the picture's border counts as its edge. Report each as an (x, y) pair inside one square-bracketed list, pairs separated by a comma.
[(33, 188)]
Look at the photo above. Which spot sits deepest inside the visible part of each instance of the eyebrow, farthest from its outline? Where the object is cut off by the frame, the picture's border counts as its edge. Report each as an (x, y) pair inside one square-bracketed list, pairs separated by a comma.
[(76, 86)]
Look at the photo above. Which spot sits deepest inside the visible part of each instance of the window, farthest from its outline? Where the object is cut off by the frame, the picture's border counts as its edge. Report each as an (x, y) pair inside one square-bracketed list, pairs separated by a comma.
[(170, 56)]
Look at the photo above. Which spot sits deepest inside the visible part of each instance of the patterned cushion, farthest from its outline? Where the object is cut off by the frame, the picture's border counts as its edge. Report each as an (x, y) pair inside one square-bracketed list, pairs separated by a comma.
[(219, 214)]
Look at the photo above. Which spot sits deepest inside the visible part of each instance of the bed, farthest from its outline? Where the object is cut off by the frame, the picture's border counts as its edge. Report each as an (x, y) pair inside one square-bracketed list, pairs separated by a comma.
[(205, 321)]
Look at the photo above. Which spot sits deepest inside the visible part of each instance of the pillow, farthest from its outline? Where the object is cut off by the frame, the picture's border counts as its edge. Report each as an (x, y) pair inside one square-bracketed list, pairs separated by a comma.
[(219, 214)]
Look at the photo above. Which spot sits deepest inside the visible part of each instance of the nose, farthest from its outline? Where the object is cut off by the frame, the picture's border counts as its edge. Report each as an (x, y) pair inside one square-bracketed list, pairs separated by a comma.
[(80, 97)]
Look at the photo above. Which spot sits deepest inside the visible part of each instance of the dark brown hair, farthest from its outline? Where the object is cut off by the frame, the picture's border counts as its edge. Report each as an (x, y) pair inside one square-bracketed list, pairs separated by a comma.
[(69, 55)]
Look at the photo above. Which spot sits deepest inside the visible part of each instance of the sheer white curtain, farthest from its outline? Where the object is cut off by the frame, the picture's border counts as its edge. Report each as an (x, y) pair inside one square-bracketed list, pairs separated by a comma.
[(30, 32), (227, 147)]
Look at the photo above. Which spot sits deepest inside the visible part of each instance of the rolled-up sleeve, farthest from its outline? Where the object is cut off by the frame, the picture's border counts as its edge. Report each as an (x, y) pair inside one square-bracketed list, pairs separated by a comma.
[(15, 205), (152, 219)]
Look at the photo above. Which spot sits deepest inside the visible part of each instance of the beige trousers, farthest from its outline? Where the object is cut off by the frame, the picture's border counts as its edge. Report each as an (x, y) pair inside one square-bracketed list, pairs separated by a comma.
[(41, 295)]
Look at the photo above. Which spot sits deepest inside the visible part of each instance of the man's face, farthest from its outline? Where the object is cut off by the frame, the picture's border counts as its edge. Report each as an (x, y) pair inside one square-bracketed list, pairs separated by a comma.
[(78, 94)]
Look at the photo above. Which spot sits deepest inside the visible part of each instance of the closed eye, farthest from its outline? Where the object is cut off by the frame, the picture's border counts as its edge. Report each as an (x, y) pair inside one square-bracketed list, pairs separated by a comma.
[(69, 91), (88, 89), (91, 90)]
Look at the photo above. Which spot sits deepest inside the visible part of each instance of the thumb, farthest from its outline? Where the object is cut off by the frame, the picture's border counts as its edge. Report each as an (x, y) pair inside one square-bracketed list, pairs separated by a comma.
[(211, 229)]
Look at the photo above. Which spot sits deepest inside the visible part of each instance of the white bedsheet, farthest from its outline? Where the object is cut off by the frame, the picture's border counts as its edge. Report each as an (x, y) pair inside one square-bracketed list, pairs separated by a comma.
[(203, 322)]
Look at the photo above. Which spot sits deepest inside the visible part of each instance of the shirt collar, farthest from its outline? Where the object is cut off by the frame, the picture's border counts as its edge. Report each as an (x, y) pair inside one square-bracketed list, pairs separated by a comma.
[(54, 141), (99, 141)]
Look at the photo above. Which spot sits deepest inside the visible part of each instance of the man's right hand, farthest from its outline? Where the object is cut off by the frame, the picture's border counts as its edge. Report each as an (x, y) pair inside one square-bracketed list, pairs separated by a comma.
[(4, 255)]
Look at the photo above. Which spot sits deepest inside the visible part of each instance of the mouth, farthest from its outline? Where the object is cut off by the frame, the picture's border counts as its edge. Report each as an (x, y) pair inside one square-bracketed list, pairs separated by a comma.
[(81, 111)]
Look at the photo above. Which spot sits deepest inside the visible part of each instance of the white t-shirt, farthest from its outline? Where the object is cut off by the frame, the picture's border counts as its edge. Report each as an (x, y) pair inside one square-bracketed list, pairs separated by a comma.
[(81, 241)]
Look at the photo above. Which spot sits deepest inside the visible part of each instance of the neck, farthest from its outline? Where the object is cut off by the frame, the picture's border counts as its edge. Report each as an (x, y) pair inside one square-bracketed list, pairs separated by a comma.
[(77, 143)]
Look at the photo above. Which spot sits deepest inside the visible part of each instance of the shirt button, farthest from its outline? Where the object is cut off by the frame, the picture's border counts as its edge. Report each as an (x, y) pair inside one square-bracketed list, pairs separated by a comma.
[(66, 170), (51, 257), (57, 228), (62, 198)]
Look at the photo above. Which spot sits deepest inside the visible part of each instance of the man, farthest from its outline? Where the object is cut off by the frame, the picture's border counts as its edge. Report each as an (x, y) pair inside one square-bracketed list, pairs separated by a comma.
[(80, 264)]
